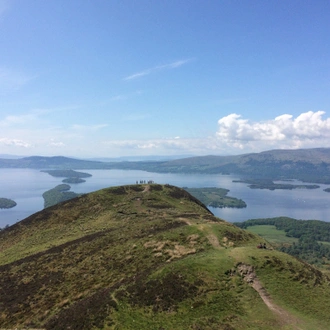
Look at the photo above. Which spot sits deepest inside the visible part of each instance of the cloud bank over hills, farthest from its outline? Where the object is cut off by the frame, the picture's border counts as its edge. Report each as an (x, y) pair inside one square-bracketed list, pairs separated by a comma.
[(234, 135)]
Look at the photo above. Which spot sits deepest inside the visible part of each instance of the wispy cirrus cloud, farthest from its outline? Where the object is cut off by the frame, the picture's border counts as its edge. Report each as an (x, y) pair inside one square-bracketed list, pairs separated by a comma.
[(169, 66), (97, 127), (11, 80), (54, 143), (21, 119)]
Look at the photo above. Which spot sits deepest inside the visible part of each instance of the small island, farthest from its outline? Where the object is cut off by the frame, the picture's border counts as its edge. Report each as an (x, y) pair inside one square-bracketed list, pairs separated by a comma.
[(58, 194), (6, 203), (327, 190), (71, 176), (270, 185), (216, 197), (67, 174), (73, 180)]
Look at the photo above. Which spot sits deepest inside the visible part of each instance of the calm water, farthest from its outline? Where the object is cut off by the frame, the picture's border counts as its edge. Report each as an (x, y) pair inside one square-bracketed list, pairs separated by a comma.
[(26, 186)]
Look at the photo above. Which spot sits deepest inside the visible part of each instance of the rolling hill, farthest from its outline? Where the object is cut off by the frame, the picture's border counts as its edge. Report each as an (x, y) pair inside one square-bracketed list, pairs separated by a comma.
[(150, 257), (310, 165)]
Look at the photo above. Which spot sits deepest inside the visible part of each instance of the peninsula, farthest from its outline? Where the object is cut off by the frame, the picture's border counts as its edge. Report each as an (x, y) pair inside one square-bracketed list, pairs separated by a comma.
[(58, 194), (216, 197), (271, 185)]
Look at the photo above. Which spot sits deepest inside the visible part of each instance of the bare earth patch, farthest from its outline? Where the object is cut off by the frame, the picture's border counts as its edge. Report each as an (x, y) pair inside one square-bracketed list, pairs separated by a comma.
[(179, 251), (213, 240), (226, 242), (174, 250), (146, 189), (187, 221), (249, 276)]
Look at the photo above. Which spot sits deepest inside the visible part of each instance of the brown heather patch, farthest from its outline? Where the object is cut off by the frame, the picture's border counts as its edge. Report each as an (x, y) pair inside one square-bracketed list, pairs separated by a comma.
[(163, 294), (85, 314), (137, 188), (238, 235), (156, 187), (302, 272), (157, 205), (118, 190)]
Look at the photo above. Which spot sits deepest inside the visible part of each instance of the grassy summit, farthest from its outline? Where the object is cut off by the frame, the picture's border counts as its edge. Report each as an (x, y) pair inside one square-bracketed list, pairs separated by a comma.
[(150, 257)]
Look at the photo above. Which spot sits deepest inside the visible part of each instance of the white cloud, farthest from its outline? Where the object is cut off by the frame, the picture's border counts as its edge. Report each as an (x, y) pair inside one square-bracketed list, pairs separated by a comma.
[(146, 72), (307, 130), (53, 143), (162, 146), (14, 142), (236, 135)]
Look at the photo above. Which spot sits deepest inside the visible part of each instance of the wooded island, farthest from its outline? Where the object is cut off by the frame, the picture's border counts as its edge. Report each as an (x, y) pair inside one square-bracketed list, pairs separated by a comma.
[(6, 203), (216, 197)]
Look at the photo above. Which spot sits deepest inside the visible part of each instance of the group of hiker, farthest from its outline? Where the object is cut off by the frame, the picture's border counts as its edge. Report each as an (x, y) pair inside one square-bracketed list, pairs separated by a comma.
[(262, 246), (144, 182)]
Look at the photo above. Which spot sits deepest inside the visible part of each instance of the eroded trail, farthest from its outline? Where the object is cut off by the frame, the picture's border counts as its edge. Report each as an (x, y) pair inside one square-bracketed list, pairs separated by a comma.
[(286, 319), (146, 188), (212, 238)]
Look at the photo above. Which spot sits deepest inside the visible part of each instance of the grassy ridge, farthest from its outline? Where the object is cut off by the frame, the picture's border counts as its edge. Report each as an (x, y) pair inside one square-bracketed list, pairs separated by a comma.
[(148, 257)]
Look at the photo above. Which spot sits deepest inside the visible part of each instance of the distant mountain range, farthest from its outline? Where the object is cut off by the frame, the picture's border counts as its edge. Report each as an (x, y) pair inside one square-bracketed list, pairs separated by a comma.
[(310, 165)]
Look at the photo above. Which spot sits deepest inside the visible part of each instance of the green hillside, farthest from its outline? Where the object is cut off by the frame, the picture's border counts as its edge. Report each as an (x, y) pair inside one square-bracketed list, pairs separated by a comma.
[(150, 257)]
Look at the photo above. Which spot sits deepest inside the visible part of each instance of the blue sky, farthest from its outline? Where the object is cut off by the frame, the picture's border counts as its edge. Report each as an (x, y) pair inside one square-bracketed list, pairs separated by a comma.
[(109, 78)]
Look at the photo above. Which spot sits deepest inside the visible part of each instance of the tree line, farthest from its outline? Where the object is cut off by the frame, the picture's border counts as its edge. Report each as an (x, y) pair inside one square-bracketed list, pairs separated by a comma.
[(312, 235)]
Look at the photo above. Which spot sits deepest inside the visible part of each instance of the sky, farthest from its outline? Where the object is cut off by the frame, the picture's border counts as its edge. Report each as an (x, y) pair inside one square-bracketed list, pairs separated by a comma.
[(108, 78)]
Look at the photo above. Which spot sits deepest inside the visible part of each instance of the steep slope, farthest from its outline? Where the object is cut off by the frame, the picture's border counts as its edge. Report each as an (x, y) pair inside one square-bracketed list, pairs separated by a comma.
[(150, 257)]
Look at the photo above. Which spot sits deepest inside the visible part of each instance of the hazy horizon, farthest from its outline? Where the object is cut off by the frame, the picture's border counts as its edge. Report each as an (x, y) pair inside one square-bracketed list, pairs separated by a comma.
[(146, 157)]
